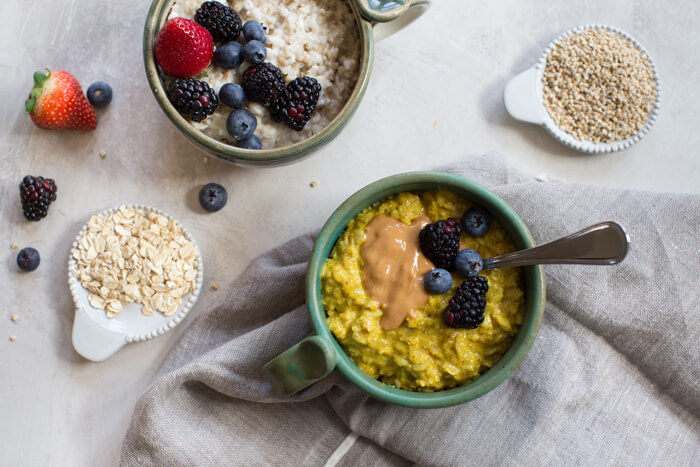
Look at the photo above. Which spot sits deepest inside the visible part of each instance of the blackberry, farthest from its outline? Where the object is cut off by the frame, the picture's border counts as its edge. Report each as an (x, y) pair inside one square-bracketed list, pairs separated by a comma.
[(296, 103), (440, 242), (193, 98), (262, 82), (36, 194), (466, 308), (222, 22)]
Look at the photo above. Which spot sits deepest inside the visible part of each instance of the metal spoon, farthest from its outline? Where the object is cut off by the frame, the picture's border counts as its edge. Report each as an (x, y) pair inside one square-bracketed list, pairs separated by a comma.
[(604, 243)]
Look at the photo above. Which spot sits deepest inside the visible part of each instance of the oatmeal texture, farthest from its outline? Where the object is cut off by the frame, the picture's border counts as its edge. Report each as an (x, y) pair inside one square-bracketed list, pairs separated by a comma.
[(598, 86), (422, 354), (317, 38)]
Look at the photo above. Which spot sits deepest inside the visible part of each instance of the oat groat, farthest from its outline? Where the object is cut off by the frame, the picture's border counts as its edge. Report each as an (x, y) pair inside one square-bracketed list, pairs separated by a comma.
[(598, 86)]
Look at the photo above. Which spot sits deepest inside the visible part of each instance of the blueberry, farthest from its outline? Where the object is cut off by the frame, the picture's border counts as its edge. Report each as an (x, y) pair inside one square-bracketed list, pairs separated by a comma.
[(28, 259), (99, 94), (468, 263), (253, 31), (438, 281), (228, 55), (254, 52), (476, 221), (232, 95), (241, 124), (252, 142), (212, 197)]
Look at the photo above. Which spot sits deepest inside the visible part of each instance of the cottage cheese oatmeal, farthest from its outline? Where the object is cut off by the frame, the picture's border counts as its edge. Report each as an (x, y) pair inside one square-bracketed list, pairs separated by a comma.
[(318, 39)]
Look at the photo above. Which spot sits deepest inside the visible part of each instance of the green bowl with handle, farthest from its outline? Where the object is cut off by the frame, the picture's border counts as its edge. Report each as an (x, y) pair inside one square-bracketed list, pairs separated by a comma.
[(320, 354), (375, 19)]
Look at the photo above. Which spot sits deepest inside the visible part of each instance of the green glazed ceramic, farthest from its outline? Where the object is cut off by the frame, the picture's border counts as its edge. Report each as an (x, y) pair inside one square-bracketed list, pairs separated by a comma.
[(387, 16), (284, 371)]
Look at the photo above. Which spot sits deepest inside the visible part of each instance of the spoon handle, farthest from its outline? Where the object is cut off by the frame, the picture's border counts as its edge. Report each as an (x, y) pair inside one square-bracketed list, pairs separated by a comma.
[(604, 243)]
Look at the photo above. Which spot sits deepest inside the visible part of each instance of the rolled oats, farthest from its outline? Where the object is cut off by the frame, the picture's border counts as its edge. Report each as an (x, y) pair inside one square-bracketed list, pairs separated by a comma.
[(134, 256)]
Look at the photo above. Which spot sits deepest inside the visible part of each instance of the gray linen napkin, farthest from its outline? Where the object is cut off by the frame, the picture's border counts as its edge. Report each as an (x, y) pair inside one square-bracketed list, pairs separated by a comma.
[(613, 377)]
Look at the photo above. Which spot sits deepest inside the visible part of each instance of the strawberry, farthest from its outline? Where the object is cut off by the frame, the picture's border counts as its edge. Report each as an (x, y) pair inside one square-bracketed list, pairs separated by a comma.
[(57, 101), (183, 48)]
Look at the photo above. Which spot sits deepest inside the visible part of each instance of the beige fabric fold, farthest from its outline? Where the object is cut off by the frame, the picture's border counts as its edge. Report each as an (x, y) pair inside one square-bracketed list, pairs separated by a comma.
[(613, 377)]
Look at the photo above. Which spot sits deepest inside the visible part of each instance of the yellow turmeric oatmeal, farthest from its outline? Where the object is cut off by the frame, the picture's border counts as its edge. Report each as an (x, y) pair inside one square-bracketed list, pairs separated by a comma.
[(422, 353)]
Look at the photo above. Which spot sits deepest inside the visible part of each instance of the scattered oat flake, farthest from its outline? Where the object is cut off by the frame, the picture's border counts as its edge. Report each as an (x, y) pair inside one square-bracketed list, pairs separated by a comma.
[(12, 338), (435, 124), (215, 286), (313, 184), (14, 246), (15, 317), (103, 154)]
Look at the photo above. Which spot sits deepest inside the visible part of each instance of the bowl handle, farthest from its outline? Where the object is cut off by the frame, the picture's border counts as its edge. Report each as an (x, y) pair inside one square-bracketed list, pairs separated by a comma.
[(93, 341), (390, 16), (521, 97), (300, 366)]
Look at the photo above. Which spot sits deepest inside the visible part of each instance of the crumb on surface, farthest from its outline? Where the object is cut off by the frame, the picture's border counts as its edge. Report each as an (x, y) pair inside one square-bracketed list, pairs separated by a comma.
[(14, 246), (215, 286), (12, 338), (103, 154), (15, 318), (205, 159), (313, 184), (435, 124)]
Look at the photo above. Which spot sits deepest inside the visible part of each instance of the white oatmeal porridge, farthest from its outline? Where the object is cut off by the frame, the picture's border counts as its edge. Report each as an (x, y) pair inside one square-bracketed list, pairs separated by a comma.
[(317, 38)]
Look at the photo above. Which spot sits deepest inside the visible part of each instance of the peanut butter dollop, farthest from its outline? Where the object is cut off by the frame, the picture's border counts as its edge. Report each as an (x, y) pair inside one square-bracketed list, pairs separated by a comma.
[(394, 267)]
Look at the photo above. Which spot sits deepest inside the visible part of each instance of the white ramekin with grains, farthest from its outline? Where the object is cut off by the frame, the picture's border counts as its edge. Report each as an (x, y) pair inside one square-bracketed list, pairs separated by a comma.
[(594, 89), (134, 273)]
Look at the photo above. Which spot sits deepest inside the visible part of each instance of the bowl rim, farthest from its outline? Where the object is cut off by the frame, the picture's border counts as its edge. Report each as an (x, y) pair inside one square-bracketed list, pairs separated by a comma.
[(255, 157), (533, 277)]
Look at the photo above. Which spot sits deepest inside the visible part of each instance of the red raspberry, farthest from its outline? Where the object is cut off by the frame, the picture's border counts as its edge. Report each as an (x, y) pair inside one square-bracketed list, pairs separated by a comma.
[(183, 48)]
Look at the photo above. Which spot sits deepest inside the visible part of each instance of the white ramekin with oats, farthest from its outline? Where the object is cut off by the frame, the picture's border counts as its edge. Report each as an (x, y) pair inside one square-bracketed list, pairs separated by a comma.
[(594, 89)]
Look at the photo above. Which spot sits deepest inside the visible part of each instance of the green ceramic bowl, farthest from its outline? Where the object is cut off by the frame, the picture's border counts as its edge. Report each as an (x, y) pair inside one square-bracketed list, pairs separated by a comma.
[(375, 19), (317, 356)]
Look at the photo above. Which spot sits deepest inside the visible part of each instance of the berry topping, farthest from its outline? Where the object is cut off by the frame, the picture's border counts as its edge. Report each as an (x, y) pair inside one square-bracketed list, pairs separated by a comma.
[(254, 52), (468, 263), (440, 242), (254, 31), (193, 98), (212, 197), (476, 221), (252, 142), (99, 94), (262, 82), (183, 48), (232, 95), (296, 103), (36, 195), (222, 22), (466, 308), (438, 281), (57, 102), (28, 259), (241, 124), (228, 55)]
